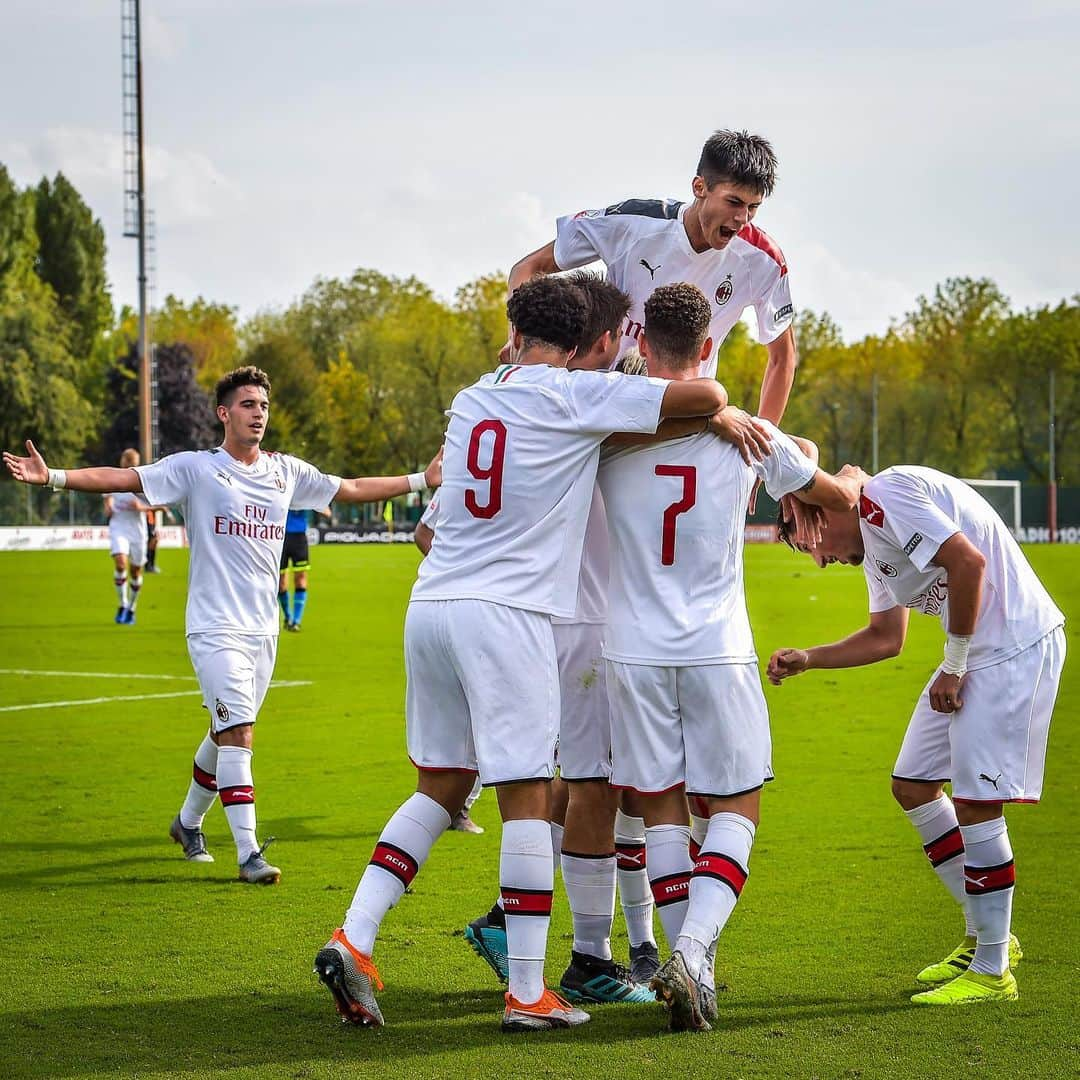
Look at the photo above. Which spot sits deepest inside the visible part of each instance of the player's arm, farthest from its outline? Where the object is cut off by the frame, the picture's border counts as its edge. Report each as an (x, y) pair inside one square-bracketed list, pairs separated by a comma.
[(966, 567), (33, 470), (731, 424), (833, 491), (540, 261), (779, 376), (423, 535), (377, 488), (693, 397), (882, 639)]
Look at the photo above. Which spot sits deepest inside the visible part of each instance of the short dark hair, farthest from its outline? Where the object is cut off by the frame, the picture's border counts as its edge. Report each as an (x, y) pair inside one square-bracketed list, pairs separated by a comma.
[(608, 306), (677, 323), (785, 528), (744, 159), (231, 381), (549, 312)]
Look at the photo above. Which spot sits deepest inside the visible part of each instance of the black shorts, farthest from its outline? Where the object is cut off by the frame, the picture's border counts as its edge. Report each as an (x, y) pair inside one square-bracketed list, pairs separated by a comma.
[(295, 551)]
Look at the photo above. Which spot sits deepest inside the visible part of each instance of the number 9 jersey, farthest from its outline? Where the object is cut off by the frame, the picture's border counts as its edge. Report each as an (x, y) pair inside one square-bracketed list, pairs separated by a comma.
[(519, 468)]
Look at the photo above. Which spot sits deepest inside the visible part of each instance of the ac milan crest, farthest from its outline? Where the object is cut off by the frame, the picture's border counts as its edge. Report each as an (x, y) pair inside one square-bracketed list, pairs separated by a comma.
[(886, 568), (724, 291), (221, 710)]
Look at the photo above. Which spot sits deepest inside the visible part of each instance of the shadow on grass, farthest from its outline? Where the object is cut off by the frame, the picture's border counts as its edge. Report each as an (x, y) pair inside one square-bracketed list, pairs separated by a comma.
[(259, 1029)]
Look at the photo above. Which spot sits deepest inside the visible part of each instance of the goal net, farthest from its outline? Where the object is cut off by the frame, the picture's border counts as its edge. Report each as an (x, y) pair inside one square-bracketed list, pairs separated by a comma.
[(1004, 497)]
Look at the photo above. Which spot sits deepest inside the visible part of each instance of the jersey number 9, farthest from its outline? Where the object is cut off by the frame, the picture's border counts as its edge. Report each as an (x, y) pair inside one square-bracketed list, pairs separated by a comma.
[(492, 472)]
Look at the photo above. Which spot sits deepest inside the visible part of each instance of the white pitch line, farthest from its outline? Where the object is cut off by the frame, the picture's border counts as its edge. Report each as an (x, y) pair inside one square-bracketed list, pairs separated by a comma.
[(94, 674), (132, 697)]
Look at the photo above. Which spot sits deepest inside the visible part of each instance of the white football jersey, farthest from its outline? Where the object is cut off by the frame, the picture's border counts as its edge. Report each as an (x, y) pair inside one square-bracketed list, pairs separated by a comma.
[(431, 512), (644, 244), (519, 469), (128, 515), (591, 606), (676, 514), (905, 514), (235, 519)]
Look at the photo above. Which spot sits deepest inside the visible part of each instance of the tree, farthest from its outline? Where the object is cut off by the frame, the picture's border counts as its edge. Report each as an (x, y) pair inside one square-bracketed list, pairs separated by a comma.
[(185, 412), (71, 260)]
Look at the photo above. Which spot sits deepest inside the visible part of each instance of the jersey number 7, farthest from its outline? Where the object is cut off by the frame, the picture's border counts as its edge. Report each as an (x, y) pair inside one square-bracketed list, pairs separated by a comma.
[(688, 473), (492, 472)]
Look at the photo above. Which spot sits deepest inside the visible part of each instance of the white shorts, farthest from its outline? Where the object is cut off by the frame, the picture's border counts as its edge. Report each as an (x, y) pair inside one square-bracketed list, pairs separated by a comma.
[(482, 690), (133, 545), (706, 727), (584, 722), (234, 672), (994, 748)]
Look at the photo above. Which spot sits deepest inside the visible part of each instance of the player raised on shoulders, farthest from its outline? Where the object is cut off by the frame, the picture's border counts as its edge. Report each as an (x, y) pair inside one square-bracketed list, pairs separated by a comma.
[(235, 498), (710, 242), (929, 542)]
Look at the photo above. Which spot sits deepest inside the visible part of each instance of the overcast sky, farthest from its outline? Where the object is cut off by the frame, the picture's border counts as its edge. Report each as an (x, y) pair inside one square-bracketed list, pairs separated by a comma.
[(296, 138)]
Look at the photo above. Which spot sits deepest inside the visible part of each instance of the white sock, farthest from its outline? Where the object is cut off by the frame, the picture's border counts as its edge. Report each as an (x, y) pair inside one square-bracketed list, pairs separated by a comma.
[(590, 888), (133, 596), (237, 793), (404, 845), (699, 828), (989, 876), (120, 581), (635, 895), (473, 795), (202, 791), (557, 831), (668, 856), (526, 880), (720, 872), (935, 822)]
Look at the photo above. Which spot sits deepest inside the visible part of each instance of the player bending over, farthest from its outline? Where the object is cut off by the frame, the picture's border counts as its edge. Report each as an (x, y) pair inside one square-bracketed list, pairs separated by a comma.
[(234, 498), (127, 515), (482, 677), (688, 717), (928, 541)]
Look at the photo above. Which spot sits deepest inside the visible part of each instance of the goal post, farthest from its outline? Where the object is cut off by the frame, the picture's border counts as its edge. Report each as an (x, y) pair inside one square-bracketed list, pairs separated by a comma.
[(1004, 497)]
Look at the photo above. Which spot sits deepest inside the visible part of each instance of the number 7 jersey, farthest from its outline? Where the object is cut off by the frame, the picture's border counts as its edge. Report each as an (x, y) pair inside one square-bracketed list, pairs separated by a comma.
[(519, 468), (676, 515)]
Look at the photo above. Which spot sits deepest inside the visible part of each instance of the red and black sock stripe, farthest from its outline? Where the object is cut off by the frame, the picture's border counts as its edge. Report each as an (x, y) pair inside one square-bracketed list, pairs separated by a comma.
[(722, 868), (526, 901), (237, 796), (630, 856), (980, 880), (945, 847), (396, 861), (695, 849), (670, 889), (203, 778)]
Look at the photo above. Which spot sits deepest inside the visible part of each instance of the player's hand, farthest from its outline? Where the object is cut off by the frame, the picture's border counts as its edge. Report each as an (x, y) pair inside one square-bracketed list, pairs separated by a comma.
[(29, 470), (504, 353), (786, 662), (433, 473), (854, 472), (809, 522), (945, 693), (739, 428)]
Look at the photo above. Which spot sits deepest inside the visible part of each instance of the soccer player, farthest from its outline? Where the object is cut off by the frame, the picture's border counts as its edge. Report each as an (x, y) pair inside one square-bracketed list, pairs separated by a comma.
[(688, 716), (710, 242), (127, 515), (929, 542), (294, 552), (235, 498), (482, 678)]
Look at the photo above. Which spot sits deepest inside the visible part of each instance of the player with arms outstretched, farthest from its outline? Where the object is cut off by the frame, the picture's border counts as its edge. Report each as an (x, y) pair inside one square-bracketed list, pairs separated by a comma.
[(235, 498), (929, 542)]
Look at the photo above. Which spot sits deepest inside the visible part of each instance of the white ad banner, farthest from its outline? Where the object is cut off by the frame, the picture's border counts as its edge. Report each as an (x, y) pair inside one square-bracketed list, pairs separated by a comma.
[(76, 537)]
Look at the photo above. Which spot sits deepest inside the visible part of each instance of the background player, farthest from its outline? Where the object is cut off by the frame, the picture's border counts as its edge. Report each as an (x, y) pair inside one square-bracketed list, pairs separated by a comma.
[(688, 716), (930, 542), (234, 499), (483, 686), (127, 515), (709, 242), (295, 553)]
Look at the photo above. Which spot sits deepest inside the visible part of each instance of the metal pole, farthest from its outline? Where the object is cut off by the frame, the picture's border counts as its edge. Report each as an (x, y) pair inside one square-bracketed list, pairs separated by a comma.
[(145, 444), (1051, 494), (874, 424)]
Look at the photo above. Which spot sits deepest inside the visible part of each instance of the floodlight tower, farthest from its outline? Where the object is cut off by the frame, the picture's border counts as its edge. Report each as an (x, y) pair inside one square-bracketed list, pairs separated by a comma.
[(135, 217)]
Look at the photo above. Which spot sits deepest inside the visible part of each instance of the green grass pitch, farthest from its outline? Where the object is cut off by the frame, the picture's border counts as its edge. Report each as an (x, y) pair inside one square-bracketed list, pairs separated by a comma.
[(119, 958)]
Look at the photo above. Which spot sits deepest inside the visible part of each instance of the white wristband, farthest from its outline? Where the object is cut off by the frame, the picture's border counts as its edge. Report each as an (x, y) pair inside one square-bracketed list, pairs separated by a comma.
[(57, 479), (956, 654), (417, 481)]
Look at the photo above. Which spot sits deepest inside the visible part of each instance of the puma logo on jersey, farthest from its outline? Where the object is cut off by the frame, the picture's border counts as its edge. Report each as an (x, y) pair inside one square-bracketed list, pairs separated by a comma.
[(652, 269), (990, 779), (225, 478)]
